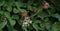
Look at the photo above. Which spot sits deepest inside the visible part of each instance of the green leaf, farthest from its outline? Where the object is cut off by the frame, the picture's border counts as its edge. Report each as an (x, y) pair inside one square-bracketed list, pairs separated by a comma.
[(56, 15), (41, 13), (24, 28), (30, 2), (10, 28), (46, 20), (2, 25), (10, 3), (16, 10), (48, 25), (42, 26), (14, 30), (0, 30), (7, 14), (2, 3), (18, 4), (23, 11), (56, 26), (35, 25), (57, 4), (29, 8), (1, 12), (12, 22), (9, 8), (15, 17)]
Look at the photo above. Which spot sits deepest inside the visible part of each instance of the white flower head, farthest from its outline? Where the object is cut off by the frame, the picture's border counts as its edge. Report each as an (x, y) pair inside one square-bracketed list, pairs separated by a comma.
[(27, 21)]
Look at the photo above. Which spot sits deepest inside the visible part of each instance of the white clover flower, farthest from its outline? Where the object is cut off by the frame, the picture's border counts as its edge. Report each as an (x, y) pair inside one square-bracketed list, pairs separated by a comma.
[(27, 21), (30, 22)]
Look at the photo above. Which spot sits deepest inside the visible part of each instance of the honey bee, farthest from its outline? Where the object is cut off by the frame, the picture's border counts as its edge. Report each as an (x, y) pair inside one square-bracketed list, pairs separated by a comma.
[(24, 15)]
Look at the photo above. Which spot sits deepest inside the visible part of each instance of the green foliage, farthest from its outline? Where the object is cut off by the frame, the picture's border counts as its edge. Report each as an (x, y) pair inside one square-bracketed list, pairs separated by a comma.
[(2, 25), (11, 15)]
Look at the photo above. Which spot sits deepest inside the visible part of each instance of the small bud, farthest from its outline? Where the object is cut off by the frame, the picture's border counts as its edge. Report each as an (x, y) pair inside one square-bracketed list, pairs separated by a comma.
[(45, 5)]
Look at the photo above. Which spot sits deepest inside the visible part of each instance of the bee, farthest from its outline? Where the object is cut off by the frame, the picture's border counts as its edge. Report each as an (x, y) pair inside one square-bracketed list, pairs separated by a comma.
[(24, 15)]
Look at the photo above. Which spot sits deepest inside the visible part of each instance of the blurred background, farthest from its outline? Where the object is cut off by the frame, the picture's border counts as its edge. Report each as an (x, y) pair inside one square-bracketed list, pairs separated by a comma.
[(29, 15)]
